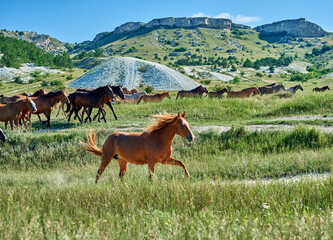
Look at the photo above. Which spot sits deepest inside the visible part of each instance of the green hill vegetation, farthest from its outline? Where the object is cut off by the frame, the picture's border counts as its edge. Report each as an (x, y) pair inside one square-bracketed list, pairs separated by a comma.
[(15, 52)]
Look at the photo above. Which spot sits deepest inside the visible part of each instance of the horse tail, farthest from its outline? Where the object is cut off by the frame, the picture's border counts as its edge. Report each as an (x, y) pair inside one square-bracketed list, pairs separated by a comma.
[(91, 145)]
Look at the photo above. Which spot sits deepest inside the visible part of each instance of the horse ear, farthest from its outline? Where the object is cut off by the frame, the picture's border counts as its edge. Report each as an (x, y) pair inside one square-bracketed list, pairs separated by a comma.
[(184, 114), (178, 114), (26, 99)]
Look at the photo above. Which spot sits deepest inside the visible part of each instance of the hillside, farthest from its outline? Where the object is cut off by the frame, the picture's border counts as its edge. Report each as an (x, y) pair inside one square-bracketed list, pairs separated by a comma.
[(42, 41), (133, 73)]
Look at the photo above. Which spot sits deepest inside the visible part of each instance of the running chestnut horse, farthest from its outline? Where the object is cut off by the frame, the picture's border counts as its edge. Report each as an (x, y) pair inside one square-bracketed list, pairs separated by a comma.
[(125, 90), (158, 97), (11, 111), (2, 136), (217, 94), (150, 147), (245, 93), (198, 91), (294, 89), (323, 89), (134, 91)]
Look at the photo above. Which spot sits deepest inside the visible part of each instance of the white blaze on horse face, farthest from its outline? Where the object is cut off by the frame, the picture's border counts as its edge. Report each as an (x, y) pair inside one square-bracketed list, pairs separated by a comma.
[(186, 131)]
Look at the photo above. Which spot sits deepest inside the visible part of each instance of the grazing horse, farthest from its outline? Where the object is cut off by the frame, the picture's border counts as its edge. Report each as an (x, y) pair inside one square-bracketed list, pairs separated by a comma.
[(245, 93), (125, 90), (117, 90), (198, 91), (323, 89), (217, 94), (92, 99), (294, 89), (2, 136), (150, 147), (132, 98), (158, 97), (12, 111), (133, 91)]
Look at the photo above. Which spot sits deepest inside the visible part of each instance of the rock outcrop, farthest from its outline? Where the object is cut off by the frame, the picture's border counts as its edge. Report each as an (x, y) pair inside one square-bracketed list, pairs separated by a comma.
[(295, 27), (42, 41), (170, 22)]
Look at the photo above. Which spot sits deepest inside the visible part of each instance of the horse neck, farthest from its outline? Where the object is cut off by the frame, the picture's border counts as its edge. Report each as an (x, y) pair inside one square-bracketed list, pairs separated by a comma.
[(54, 100), (166, 134)]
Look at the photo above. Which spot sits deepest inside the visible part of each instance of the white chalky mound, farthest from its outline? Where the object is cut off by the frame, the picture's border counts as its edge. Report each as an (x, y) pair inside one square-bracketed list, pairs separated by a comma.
[(131, 72)]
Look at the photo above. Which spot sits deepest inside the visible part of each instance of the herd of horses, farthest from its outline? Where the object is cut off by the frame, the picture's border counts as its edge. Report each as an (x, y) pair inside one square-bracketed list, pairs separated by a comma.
[(150, 147)]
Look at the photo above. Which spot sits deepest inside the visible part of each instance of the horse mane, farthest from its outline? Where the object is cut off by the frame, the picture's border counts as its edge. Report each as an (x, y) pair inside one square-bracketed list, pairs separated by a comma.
[(162, 121), (51, 94)]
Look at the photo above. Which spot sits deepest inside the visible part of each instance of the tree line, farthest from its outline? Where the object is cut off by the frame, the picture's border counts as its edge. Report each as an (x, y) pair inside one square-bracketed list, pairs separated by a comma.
[(16, 51)]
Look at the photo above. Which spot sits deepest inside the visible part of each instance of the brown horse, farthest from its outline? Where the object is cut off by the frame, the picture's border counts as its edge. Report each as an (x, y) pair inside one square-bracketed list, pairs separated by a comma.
[(13, 111), (133, 91), (217, 94), (198, 91), (323, 89), (270, 89), (125, 91), (158, 97), (92, 99), (5, 100), (245, 93), (150, 147), (2, 136), (47, 102)]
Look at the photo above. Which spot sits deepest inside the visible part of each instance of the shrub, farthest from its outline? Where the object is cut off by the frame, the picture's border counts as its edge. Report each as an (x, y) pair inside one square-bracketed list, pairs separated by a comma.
[(258, 74), (18, 80), (235, 80), (44, 83), (205, 82), (142, 69), (70, 77), (149, 89)]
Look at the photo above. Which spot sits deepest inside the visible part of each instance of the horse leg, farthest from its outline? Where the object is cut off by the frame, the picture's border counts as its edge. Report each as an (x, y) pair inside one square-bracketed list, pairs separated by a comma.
[(11, 124), (40, 120), (106, 159), (103, 114), (172, 161), (48, 117), (70, 115), (88, 115), (123, 167), (151, 166), (110, 105)]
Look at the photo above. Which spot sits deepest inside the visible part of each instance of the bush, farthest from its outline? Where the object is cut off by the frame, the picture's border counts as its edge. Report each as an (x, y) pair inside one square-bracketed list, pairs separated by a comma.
[(44, 83), (205, 82), (258, 74), (70, 77), (142, 69), (18, 80), (235, 80), (149, 89)]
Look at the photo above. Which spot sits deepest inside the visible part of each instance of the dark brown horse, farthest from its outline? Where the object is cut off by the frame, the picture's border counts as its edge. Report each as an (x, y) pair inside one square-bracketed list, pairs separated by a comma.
[(158, 97), (323, 89), (92, 99), (271, 89), (217, 94), (150, 147), (2, 136), (196, 92), (294, 89), (245, 93), (117, 90)]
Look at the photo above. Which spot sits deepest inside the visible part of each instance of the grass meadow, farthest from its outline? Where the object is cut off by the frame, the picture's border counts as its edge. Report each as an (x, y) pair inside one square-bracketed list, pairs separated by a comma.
[(239, 185)]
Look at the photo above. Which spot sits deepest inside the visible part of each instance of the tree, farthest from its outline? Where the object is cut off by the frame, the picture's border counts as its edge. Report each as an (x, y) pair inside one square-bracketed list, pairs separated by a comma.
[(233, 68), (248, 63), (271, 69)]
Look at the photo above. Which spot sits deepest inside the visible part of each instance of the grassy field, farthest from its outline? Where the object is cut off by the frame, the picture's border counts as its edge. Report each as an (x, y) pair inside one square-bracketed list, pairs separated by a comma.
[(235, 190)]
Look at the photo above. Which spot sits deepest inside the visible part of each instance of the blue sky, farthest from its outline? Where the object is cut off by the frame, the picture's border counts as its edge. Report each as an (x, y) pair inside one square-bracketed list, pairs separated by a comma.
[(80, 20)]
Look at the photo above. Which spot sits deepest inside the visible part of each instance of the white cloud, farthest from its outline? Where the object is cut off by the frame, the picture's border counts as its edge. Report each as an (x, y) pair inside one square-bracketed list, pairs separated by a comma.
[(236, 19), (199, 14)]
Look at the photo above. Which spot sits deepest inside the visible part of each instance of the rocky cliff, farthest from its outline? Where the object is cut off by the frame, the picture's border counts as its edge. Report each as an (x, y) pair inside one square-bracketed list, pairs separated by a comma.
[(170, 22), (42, 41), (295, 27)]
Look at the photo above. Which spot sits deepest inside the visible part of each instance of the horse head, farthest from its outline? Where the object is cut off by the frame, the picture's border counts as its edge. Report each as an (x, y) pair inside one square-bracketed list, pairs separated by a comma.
[(327, 87), (31, 105), (167, 94), (182, 128), (63, 97), (118, 91), (300, 87)]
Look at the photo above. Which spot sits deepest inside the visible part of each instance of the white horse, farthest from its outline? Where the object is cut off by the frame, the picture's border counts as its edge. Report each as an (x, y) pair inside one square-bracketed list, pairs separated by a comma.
[(131, 98)]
